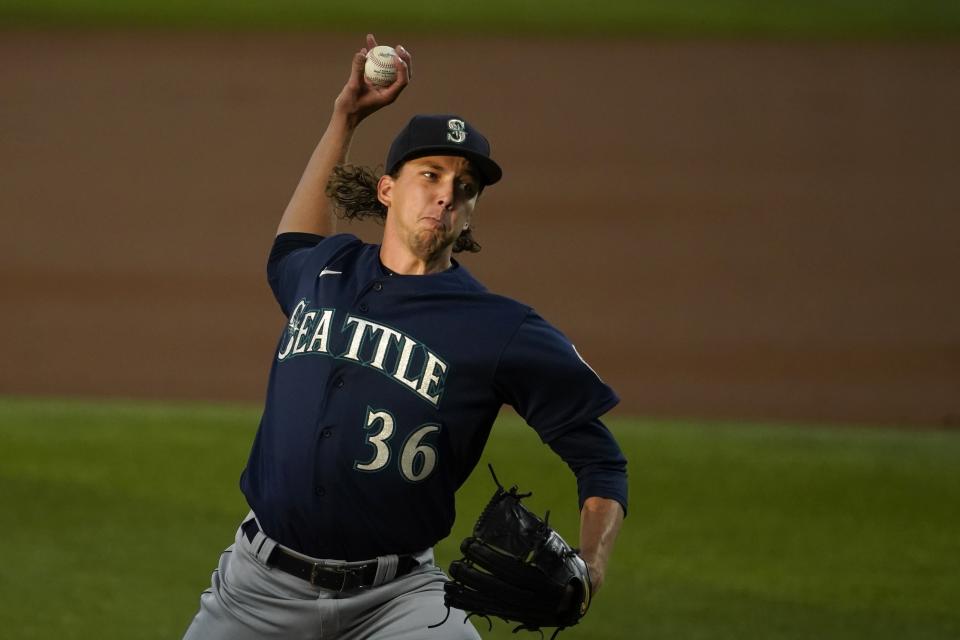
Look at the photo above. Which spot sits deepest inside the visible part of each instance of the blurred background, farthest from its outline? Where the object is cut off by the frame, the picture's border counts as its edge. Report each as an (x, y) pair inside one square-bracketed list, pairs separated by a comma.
[(744, 214), (734, 227)]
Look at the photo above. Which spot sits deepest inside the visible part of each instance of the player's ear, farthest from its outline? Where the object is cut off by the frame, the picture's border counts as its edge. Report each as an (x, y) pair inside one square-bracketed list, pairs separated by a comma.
[(385, 190)]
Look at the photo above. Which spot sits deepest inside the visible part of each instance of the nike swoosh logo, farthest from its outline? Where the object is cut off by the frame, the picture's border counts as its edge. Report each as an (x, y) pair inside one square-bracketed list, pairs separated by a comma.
[(329, 272)]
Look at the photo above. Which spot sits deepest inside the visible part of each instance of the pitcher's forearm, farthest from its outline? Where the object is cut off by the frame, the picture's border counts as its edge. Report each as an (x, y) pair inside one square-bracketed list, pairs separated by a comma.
[(600, 520), (309, 209)]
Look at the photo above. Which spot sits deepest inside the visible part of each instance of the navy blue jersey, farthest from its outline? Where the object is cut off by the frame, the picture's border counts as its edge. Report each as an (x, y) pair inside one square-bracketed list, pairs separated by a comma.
[(382, 393)]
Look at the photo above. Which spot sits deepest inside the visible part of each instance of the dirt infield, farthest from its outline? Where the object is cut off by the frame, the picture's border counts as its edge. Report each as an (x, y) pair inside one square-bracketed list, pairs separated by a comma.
[(749, 230)]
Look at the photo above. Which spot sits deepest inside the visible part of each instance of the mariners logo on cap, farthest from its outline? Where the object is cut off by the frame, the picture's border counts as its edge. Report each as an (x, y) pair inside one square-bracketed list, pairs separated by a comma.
[(456, 131)]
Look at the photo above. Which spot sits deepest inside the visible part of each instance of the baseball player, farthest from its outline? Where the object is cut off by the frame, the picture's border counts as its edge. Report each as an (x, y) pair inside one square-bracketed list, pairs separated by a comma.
[(386, 381)]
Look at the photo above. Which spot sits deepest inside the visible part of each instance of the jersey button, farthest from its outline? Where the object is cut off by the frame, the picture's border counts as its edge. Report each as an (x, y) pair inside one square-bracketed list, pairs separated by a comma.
[(363, 307), (326, 433), (320, 491), (378, 286), (339, 383)]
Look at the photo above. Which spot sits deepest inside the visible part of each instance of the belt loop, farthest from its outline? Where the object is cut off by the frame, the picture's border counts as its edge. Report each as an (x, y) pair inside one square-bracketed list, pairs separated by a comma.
[(263, 554), (262, 545), (386, 569)]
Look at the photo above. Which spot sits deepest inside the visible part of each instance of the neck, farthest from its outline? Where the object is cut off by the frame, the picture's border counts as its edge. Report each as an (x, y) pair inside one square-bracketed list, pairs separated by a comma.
[(405, 263)]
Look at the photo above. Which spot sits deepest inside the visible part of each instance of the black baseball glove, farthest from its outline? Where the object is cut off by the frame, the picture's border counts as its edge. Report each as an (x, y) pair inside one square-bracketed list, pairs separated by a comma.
[(516, 567)]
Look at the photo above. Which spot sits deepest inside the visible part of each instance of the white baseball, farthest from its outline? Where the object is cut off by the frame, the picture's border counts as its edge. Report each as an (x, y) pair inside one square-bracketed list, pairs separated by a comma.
[(381, 66)]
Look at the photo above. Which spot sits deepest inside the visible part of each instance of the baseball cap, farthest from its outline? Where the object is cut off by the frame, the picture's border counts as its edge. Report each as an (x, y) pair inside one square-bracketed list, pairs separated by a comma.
[(443, 135)]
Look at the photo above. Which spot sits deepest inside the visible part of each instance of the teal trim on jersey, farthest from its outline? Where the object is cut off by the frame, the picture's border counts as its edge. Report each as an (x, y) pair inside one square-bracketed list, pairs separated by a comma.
[(290, 335), (436, 453), (420, 349), (419, 346), (367, 427)]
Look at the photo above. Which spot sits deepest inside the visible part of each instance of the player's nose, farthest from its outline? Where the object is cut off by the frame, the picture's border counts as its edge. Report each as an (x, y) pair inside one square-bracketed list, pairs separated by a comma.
[(446, 193)]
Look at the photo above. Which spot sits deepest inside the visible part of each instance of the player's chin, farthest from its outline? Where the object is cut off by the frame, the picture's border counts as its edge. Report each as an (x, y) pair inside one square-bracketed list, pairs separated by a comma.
[(433, 240)]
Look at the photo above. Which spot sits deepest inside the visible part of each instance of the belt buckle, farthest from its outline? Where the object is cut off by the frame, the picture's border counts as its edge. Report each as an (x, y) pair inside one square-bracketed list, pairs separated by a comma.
[(351, 577)]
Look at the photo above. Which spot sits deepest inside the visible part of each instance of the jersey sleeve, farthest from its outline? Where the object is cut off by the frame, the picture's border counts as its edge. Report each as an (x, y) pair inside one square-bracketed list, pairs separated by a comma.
[(541, 375), (595, 457), (291, 254)]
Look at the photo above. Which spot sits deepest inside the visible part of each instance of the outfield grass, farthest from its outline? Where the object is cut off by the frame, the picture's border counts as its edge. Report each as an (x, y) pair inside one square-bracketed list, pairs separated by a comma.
[(810, 18), (114, 514)]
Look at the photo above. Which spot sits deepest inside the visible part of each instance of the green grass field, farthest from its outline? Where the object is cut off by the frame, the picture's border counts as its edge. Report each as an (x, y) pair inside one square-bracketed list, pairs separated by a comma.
[(114, 514), (778, 18)]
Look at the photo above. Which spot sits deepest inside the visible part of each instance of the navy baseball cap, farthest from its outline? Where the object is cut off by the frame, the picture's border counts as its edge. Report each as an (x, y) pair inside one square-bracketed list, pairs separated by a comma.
[(443, 135)]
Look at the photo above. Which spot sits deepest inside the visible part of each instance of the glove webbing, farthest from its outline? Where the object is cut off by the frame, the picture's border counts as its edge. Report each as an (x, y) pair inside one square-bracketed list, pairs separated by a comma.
[(521, 574)]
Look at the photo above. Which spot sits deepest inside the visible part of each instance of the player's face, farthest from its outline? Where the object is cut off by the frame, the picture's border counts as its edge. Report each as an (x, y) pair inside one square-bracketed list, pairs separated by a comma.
[(429, 203)]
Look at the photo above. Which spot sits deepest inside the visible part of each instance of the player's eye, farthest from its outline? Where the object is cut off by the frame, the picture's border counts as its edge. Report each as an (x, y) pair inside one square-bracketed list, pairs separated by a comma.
[(429, 174), (469, 189)]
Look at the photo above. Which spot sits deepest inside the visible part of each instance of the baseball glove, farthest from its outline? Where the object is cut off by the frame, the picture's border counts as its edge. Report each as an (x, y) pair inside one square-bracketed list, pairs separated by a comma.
[(516, 567)]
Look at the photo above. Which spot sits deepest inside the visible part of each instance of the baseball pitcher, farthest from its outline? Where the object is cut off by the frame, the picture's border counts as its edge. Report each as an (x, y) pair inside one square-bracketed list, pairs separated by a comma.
[(390, 369)]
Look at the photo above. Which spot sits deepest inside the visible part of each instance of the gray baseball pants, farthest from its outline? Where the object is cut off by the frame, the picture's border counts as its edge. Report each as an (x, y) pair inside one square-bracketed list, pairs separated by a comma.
[(248, 600)]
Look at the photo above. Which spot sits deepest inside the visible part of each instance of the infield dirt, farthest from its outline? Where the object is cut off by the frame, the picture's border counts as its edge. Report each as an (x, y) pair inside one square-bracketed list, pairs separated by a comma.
[(725, 230)]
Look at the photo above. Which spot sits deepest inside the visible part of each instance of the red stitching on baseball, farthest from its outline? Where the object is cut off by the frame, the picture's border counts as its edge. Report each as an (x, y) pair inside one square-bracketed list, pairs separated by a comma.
[(381, 64)]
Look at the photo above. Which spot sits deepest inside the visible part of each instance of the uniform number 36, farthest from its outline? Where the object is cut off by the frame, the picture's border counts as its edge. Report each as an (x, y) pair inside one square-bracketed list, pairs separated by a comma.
[(418, 458)]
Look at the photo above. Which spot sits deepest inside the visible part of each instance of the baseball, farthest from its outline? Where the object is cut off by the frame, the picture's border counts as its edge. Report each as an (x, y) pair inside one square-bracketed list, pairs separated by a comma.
[(381, 66)]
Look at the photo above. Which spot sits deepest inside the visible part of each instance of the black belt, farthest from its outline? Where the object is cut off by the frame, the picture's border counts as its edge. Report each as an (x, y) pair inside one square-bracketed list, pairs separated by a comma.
[(332, 578)]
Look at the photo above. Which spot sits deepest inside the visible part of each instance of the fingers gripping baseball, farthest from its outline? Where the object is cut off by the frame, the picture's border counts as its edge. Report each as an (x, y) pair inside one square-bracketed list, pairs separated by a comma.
[(360, 97), (404, 63)]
